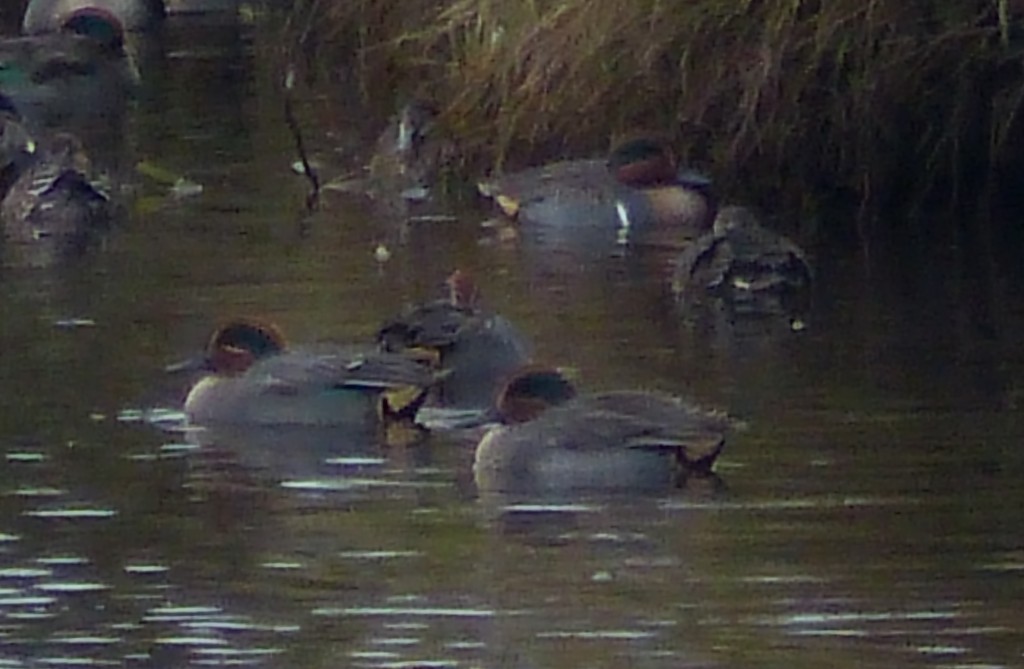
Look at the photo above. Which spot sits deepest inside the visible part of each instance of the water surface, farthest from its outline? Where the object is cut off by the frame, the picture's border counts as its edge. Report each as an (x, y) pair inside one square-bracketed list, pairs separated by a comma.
[(868, 515)]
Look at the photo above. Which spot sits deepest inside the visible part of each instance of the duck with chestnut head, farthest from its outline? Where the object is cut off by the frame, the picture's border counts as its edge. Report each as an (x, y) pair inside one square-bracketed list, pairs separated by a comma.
[(47, 16), (553, 439), (253, 378), (636, 196), (81, 71)]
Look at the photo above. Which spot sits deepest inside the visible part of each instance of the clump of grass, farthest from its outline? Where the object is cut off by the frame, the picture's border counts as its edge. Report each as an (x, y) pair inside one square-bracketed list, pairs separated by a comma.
[(875, 101)]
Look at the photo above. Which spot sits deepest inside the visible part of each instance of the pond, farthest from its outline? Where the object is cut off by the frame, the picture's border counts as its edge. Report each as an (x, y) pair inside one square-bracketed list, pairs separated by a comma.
[(867, 514)]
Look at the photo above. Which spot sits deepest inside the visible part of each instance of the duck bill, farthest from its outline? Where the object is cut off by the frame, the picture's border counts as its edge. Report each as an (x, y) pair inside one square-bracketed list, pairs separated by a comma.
[(199, 363)]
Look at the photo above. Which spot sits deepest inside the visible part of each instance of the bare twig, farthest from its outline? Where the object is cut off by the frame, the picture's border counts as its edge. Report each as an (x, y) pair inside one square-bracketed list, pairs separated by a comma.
[(313, 198)]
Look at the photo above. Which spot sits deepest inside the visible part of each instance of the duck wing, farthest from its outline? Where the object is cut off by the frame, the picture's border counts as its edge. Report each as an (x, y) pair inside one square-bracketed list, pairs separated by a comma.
[(628, 419), (400, 383), (701, 266), (433, 325), (757, 245), (297, 369), (766, 273), (71, 207), (51, 199), (747, 265), (519, 190)]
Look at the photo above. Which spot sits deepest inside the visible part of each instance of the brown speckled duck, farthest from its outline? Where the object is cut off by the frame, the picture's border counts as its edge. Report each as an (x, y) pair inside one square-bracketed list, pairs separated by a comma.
[(410, 154), (54, 200), (749, 268), (475, 348)]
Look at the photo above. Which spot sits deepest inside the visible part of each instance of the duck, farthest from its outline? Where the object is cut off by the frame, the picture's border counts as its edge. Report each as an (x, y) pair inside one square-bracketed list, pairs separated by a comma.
[(81, 71), (475, 348), (54, 200), (16, 145), (45, 16), (253, 378), (400, 147), (551, 439), (748, 267), (410, 152), (636, 196), (404, 164)]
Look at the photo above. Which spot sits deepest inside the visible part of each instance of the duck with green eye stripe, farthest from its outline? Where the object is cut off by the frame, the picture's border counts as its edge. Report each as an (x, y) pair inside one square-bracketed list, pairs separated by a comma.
[(637, 196), (253, 378), (43, 16), (554, 440), (82, 71)]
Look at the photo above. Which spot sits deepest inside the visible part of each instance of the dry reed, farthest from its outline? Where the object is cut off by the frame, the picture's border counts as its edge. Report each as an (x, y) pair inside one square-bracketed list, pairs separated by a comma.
[(868, 101)]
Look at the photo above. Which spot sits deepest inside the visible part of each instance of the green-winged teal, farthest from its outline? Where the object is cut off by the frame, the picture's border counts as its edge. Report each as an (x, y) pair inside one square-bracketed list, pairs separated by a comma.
[(636, 196), (751, 269), (82, 71), (554, 440), (475, 348), (54, 201), (42, 16), (254, 378)]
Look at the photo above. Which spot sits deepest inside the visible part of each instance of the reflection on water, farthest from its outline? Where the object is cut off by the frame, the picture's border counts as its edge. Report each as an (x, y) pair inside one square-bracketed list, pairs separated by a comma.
[(867, 516)]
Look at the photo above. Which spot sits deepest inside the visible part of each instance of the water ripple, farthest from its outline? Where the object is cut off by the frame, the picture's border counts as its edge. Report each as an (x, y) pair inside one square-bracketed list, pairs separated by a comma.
[(25, 572), (71, 587), (386, 611), (37, 492), (26, 456), (71, 513)]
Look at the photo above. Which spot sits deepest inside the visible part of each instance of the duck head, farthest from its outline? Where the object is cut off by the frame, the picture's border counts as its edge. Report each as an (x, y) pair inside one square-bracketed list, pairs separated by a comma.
[(237, 344), (734, 218), (681, 203), (415, 121), (65, 150), (409, 151), (643, 162), (98, 24), (463, 292), (234, 347), (531, 391)]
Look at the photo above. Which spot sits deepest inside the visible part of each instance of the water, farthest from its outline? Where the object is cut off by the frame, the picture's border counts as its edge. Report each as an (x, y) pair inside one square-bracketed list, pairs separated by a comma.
[(868, 515)]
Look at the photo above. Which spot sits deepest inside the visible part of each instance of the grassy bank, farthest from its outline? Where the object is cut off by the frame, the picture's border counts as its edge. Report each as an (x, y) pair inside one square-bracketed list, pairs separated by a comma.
[(876, 102)]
